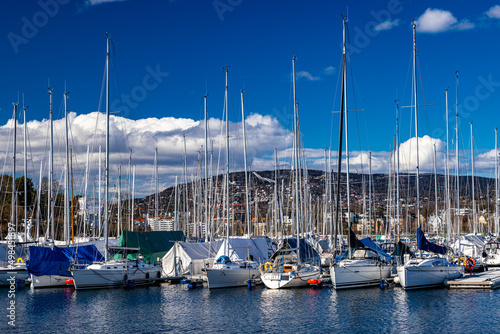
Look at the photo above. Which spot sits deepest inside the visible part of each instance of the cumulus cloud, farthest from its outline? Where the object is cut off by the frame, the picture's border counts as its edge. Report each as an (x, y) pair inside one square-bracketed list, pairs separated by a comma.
[(494, 12), (329, 70), (264, 133), (387, 25), (439, 20), (307, 75)]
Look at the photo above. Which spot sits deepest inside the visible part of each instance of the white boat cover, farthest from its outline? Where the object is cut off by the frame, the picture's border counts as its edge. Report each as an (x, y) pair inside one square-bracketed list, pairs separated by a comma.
[(255, 248), (189, 255)]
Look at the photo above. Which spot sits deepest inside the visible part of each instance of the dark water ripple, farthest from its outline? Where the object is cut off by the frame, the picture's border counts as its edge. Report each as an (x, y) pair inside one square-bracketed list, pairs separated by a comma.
[(174, 309)]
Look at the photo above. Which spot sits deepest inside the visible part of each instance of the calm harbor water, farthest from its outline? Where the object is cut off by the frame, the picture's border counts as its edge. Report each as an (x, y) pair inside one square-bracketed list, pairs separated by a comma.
[(175, 309)]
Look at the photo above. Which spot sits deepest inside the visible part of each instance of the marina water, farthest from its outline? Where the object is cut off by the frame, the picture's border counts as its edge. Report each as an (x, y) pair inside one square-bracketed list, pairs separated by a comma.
[(175, 309)]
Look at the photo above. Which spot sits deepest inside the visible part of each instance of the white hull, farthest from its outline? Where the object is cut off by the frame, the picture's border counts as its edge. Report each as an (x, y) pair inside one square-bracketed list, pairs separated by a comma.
[(114, 274), (227, 278), (18, 271), (422, 274), (357, 274), (286, 280), (48, 281)]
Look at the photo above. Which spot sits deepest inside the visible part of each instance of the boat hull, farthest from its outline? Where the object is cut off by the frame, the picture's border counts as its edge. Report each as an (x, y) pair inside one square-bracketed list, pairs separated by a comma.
[(48, 281), (18, 272), (109, 277), (228, 278), (416, 277), (286, 280), (358, 276)]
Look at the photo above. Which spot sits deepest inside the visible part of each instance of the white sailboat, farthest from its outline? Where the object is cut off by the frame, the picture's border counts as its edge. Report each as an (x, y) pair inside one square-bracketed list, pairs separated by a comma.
[(227, 271), (117, 272), (425, 272), (364, 267), (296, 261), (14, 269)]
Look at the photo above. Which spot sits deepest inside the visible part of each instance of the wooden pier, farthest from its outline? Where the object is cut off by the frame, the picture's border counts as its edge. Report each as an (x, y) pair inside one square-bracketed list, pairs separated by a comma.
[(485, 280)]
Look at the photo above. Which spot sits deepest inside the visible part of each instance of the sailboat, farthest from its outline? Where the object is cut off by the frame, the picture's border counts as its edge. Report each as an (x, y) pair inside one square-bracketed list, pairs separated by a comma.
[(117, 272), (295, 261), (368, 264), (425, 272), (229, 269), (14, 268)]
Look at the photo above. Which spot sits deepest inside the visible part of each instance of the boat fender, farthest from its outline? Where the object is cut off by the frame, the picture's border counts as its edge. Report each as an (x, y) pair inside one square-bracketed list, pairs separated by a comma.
[(20, 260), (268, 266), (397, 280), (158, 274), (292, 272)]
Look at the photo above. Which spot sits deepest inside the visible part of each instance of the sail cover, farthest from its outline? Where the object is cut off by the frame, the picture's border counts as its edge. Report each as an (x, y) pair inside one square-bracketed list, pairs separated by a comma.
[(56, 261), (425, 245)]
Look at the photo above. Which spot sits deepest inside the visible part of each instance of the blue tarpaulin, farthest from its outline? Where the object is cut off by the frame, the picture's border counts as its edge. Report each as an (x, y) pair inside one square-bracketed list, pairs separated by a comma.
[(425, 245), (365, 242), (56, 261), (307, 252)]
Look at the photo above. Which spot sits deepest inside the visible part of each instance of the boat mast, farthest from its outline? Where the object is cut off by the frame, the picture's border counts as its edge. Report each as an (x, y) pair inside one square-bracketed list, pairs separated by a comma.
[(397, 172), (130, 208), (156, 223), (457, 163), (247, 216), (119, 203), (67, 181), (496, 183), (25, 177), (175, 205), (85, 194), (99, 216), (416, 117), (448, 206), (38, 216), (207, 206), (370, 193), (435, 183), (295, 159), (14, 195), (226, 250), (132, 202), (473, 190), (339, 162), (186, 220), (50, 210), (106, 162)]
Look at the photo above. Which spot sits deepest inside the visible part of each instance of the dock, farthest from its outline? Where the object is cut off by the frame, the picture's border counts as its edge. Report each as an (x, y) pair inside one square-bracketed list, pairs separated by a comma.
[(488, 280)]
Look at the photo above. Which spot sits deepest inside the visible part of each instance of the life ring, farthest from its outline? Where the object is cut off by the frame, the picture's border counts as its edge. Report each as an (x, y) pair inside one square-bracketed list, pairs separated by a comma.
[(20, 260), (470, 263), (268, 266)]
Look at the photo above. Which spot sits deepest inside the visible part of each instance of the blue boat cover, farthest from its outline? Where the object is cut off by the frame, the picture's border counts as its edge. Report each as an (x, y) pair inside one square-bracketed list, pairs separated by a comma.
[(56, 261), (370, 244), (425, 245), (307, 252)]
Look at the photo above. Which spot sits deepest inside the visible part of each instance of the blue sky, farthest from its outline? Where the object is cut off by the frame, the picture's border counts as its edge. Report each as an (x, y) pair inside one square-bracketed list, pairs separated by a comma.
[(167, 54)]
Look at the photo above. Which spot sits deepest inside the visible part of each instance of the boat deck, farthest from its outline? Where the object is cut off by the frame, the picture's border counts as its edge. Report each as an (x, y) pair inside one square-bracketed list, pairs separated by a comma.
[(485, 280)]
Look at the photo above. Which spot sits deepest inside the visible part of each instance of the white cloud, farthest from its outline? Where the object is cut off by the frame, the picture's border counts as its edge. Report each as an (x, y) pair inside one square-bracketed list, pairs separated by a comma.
[(307, 75), (494, 12), (408, 154), (438, 20), (329, 70), (387, 25)]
